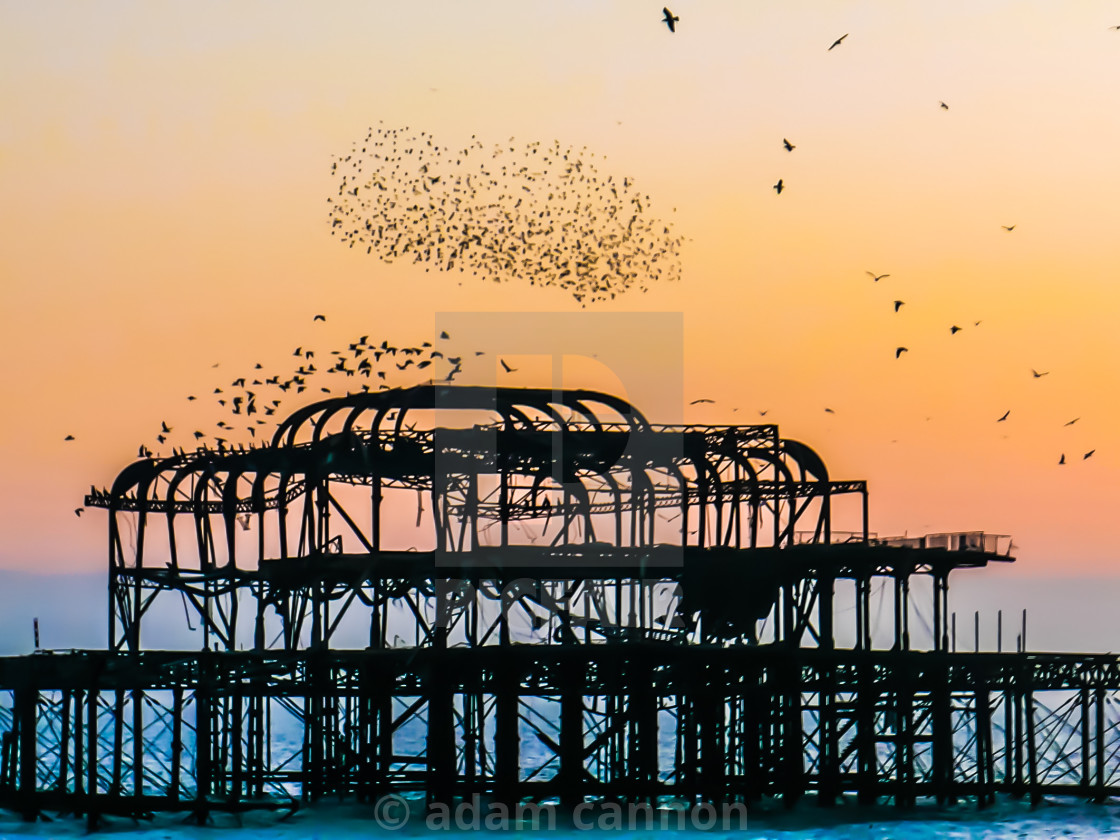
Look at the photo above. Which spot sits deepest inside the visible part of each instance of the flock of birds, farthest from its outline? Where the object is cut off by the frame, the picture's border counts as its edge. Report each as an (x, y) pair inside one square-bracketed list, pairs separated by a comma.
[(534, 212), (671, 21), (538, 213)]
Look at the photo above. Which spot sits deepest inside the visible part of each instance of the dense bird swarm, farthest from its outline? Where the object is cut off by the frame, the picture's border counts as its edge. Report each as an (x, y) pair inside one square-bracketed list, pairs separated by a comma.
[(543, 214)]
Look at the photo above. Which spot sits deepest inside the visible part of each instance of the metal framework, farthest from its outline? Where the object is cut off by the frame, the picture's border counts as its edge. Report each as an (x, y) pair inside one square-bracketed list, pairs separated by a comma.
[(532, 594)]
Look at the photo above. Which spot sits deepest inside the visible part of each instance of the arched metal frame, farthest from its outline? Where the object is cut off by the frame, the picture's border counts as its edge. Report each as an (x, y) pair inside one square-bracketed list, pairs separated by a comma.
[(607, 515)]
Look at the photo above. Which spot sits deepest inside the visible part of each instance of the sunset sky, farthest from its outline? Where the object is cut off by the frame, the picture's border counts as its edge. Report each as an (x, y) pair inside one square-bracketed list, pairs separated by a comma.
[(165, 169)]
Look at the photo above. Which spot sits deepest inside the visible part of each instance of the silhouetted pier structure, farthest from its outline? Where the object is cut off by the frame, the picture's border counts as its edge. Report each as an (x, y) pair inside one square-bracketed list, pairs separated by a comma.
[(533, 595)]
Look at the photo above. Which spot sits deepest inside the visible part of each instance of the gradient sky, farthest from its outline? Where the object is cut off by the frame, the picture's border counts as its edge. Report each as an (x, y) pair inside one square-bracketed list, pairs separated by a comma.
[(164, 169)]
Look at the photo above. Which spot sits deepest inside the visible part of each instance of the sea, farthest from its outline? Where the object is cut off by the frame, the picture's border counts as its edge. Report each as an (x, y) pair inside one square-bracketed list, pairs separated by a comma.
[(1063, 614)]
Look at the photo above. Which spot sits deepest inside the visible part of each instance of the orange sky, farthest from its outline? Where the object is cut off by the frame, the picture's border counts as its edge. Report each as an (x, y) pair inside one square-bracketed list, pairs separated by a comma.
[(164, 170)]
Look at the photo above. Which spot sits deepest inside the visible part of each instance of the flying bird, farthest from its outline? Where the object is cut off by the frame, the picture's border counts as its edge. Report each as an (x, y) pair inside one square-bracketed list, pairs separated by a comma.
[(779, 186), (506, 367), (319, 318), (1008, 228), (900, 350), (944, 107), (1004, 417), (953, 330), (1038, 375), (1062, 460), (78, 512), (836, 43), (697, 402), (829, 410), (670, 19), (1088, 454), (788, 145), (876, 277), (1071, 422), (898, 304), (69, 437)]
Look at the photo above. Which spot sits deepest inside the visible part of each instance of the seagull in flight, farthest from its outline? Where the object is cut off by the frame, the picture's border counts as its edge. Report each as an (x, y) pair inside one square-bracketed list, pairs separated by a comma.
[(697, 402), (944, 107), (836, 43), (900, 350), (319, 318), (78, 512), (1071, 422), (1088, 454), (779, 186), (69, 437), (788, 145), (898, 304), (1038, 375), (876, 277), (953, 330), (670, 19), (1004, 417), (506, 367), (1062, 460), (1008, 228)]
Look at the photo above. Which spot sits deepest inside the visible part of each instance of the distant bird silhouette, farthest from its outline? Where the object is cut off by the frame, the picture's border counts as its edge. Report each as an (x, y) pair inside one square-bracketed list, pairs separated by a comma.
[(319, 318), (829, 410), (1088, 454), (1004, 417), (898, 304), (78, 512), (1062, 460), (788, 145), (876, 277), (1038, 375), (1008, 228), (953, 330), (944, 107), (444, 335), (779, 186), (836, 43), (900, 350), (1071, 422), (69, 437), (763, 413), (697, 402), (670, 19), (506, 367), (163, 427), (191, 397)]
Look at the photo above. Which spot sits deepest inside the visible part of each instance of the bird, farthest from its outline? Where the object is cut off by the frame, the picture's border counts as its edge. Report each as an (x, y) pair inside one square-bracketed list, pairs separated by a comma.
[(697, 402), (444, 335), (191, 397), (1038, 375), (69, 437), (1004, 417), (876, 277), (1071, 422), (898, 304), (506, 367), (944, 107), (763, 413), (164, 427), (1088, 454), (779, 186), (900, 350), (78, 512), (319, 318), (829, 410), (670, 19), (953, 330), (1062, 460), (836, 43), (1008, 228), (788, 145)]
